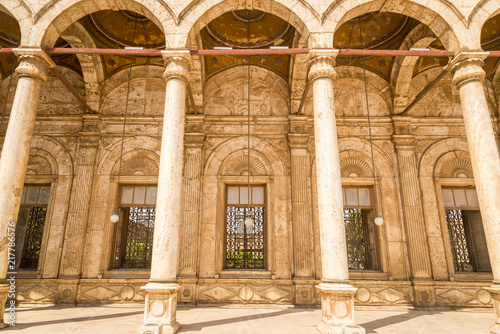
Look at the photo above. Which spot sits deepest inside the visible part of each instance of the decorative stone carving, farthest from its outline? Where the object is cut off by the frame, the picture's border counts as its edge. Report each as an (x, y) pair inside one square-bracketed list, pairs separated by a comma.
[(321, 64), (460, 167), (139, 166), (161, 308), (33, 63), (354, 167), (337, 309), (38, 165), (239, 166), (177, 64)]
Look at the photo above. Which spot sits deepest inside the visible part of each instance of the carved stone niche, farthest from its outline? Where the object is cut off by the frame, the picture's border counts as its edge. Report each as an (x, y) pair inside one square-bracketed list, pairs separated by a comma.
[(237, 164), (353, 164), (455, 164), (138, 163), (38, 165)]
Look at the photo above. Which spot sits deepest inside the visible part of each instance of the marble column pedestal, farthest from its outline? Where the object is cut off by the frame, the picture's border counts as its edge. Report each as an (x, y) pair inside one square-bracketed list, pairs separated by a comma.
[(337, 308), (494, 290), (160, 309)]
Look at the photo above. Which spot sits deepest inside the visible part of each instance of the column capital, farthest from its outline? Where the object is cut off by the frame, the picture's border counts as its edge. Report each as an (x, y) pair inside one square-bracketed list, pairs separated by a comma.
[(468, 66), (321, 63), (33, 62), (177, 64)]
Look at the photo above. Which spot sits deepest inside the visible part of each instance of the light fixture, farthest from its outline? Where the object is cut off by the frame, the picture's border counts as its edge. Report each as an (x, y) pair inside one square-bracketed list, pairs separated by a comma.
[(379, 221), (248, 222), (114, 218)]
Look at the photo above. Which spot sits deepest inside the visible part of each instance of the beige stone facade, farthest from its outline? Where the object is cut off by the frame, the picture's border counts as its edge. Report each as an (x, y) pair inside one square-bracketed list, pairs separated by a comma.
[(192, 149)]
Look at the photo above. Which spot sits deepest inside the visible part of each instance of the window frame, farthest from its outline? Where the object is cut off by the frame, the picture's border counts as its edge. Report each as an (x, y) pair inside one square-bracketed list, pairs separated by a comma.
[(264, 224), (114, 201), (468, 183), (39, 181), (367, 212)]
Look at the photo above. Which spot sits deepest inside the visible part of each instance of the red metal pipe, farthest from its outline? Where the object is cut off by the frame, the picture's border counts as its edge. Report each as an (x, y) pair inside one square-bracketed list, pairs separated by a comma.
[(253, 52)]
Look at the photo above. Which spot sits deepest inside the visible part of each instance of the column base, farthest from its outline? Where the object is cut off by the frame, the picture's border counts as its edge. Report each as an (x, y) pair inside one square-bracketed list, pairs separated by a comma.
[(160, 309), (4, 291), (494, 290), (337, 309)]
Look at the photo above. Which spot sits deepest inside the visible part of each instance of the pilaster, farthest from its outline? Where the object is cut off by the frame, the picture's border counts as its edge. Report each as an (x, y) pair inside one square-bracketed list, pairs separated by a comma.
[(76, 231), (303, 257), (194, 138), (418, 250)]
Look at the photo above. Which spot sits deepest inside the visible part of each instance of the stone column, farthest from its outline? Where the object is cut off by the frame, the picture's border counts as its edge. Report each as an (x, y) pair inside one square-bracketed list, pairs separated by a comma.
[(32, 73), (79, 207), (337, 302), (303, 253), (161, 291), (469, 79)]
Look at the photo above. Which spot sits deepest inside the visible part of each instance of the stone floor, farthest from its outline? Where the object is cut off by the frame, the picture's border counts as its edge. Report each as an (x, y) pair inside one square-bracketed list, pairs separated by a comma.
[(126, 319)]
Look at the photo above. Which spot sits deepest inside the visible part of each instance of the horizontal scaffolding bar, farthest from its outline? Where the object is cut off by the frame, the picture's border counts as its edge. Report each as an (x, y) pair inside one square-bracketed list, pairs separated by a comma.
[(253, 52)]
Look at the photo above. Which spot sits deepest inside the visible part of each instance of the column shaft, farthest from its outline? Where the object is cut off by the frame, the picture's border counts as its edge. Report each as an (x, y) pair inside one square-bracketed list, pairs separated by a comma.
[(337, 296), (469, 79), (161, 291), (32, 73), (331, 213), (168, 203)]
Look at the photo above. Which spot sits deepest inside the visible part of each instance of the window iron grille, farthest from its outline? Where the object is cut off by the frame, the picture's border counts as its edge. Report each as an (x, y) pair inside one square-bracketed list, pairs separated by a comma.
[(244, 244), (137, 240), (33, 237), (461, 255), (357, 239)]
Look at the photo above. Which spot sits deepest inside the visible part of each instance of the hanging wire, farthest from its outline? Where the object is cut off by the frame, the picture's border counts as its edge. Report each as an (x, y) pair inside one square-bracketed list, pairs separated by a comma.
[(125, 117), (367, 106), (248, 112)]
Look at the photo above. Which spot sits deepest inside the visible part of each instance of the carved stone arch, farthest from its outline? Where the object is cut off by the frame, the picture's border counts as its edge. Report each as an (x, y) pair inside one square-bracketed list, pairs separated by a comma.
[(482, 12), (355, 164), (41, 163), (54, 153), (23, 13), (92, 68), (195, 16), (109, 159), (222, 90), (57, 15), (138, 72), (442, 101), (432, 154), (360, 149), (455, 164), (376, 85), (275, 162), (237, 164), (402, 70), (441, 16), (138, 163)]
